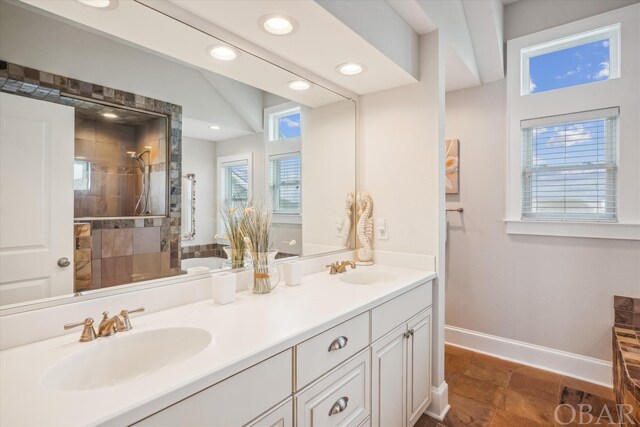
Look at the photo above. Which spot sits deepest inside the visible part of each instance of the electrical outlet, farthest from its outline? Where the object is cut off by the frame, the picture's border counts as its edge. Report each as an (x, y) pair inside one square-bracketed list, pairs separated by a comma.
[(339, 222), (381, 229)]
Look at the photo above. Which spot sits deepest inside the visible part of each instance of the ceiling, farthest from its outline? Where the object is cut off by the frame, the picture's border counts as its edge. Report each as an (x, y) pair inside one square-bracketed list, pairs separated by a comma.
[(321, 43)]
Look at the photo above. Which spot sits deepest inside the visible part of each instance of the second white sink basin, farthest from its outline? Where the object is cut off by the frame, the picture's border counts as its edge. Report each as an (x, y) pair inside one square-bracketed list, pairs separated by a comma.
[(366, 277), (122, 358)]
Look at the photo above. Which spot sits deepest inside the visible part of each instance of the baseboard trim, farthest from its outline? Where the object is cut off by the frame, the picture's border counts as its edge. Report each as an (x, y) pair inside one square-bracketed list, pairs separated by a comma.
[(570, 364), (439, 402)]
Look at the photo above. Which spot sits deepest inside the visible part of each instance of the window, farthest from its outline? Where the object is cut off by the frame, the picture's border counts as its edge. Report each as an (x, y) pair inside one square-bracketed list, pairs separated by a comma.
[(283, 161), (81, 175), (569, 167), (236, 181), (573, 151), (284, 125), (580, 59), (285, 182)]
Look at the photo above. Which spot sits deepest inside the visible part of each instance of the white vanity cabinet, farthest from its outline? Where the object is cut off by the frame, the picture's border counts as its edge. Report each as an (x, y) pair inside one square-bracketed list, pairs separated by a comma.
[(401, 364), (235, 401), (373, 369), (282, 416)]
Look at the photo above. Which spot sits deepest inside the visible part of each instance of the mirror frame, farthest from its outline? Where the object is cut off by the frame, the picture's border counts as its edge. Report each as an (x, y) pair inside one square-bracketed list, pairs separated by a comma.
[(191, 188)]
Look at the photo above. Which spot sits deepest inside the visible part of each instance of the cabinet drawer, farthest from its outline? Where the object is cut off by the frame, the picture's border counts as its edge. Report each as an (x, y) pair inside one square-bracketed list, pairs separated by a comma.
[(234, 401), (339, 399), (319, 354), (392, 313)]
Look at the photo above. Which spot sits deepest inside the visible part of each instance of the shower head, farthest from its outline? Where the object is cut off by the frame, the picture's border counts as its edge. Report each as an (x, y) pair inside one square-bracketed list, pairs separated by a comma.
[(138, 156)]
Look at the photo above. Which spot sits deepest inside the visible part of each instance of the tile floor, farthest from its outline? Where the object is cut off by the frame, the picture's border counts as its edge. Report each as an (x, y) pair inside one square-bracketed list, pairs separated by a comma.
[(485, 391)]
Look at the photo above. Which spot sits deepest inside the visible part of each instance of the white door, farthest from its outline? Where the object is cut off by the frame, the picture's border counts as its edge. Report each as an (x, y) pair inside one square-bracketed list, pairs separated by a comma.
[(36, 199), (388, 376), (418, 366)]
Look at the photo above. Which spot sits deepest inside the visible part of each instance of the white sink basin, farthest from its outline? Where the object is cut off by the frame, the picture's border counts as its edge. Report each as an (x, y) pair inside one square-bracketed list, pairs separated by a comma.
[(125, 357), (366, 277)]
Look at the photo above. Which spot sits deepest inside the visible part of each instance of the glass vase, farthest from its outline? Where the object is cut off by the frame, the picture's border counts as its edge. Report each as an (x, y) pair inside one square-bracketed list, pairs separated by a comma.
[(236, 258), (266, 275)]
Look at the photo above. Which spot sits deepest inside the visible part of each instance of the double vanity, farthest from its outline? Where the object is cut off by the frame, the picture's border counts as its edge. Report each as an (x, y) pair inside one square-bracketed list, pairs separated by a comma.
[(349, 349)]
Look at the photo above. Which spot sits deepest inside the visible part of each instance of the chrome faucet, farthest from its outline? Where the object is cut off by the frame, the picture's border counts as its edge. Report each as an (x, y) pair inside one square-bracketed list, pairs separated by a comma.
[(108, 326), (340, 267)]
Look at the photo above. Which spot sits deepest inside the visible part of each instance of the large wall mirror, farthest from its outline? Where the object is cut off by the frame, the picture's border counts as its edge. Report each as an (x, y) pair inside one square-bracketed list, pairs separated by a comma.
[(120, 147)]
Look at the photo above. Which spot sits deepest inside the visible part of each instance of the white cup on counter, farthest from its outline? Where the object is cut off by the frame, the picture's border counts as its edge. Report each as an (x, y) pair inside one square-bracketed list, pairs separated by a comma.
[(224, 287), (292, 271)]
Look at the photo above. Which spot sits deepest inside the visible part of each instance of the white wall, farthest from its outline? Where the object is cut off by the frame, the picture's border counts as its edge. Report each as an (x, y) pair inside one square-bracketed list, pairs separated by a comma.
[(400, 150), (328, 174), (199, 158), (555, 292), (529, 16)]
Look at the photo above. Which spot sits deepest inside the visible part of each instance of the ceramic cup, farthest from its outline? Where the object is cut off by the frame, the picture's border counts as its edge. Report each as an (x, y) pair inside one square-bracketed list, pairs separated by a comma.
[(292, 272), (224, 287)]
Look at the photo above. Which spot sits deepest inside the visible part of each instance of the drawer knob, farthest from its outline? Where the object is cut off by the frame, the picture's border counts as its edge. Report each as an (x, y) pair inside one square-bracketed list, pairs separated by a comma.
[(339, 406), (338, 343), (409, 333)]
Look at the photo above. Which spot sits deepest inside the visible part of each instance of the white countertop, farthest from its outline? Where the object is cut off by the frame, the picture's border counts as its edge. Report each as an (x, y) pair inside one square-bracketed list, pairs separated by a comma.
[(249, 330)]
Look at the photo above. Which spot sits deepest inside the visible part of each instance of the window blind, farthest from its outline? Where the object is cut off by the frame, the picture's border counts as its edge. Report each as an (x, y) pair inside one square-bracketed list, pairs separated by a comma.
[(285, 171), (237, 182), (569, 167)]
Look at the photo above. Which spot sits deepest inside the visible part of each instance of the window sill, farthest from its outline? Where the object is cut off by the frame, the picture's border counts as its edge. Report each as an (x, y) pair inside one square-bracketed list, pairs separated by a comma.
[(279, 218), (575, 229)]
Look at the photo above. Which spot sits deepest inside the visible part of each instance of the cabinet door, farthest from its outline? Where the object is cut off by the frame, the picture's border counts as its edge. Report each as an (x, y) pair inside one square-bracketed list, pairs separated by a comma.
[(282, 416), (418, 366), (388, 377)]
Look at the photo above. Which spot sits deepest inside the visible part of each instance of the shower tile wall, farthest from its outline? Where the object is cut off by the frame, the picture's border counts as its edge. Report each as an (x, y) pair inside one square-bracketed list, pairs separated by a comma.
[(113, 173), (125, 251)]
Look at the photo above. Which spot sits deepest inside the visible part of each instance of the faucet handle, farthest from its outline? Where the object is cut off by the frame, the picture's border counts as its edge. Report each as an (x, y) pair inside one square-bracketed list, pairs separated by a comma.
[(122, 320), (88, 334)]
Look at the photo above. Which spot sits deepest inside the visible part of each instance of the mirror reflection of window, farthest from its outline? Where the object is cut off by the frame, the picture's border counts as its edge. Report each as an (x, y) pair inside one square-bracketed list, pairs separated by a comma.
[(284, 125), (81, 175), (236, 182), (285, 183)]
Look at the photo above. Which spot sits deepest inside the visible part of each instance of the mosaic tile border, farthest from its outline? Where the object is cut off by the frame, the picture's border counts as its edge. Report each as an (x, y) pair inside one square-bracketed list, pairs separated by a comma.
[(37, 84), (215, 250)]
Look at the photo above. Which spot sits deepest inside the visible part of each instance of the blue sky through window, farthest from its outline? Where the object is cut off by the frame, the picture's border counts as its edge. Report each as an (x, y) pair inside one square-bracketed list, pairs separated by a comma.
[(569, 169), (569, 67), (289, 126)]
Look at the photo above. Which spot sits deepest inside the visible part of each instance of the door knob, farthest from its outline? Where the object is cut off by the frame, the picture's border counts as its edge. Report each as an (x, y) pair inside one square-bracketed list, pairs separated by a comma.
[(64, 262)]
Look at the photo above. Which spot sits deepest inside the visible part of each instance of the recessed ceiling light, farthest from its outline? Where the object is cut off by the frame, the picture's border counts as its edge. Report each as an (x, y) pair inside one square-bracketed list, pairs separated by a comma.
[(100, 4), (350, 68), (214, 127), (279, 25), (299, 85), (223, 52), (110, 115)]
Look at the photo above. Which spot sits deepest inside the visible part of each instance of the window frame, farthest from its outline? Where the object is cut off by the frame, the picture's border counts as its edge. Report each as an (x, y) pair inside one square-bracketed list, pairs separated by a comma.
[(221, 162), (280, 147), (609, 32), (273, 124), (607, 93), (610, 165)]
